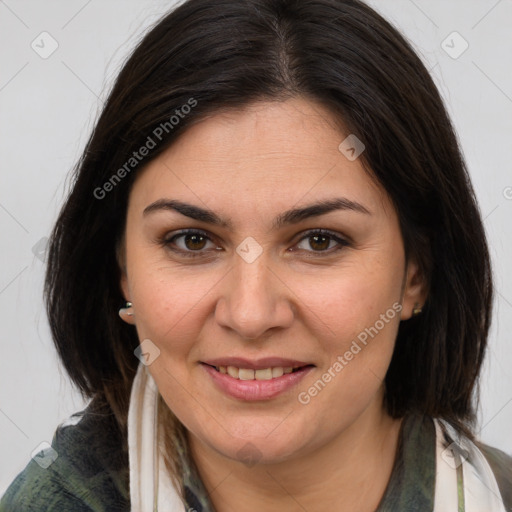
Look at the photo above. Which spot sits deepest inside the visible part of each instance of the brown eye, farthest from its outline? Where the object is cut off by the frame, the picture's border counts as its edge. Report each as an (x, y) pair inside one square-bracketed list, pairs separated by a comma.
[(189, 243), (194, 242), (321, 241)]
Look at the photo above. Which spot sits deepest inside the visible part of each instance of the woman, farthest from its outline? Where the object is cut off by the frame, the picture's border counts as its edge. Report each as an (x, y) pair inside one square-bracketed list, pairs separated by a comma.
[(271, 278)]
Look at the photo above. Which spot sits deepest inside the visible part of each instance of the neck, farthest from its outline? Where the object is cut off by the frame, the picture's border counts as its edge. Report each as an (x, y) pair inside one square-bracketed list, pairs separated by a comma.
[(349, 473)]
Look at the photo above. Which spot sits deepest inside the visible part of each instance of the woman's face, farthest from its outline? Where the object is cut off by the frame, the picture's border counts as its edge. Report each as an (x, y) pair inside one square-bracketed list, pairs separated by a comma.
[(254, 282)]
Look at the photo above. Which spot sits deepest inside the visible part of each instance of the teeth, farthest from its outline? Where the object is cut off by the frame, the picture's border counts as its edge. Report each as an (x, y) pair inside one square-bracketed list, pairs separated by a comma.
[(248, 374), (265, 374), (233, 371), (245, 374), (277, 372)]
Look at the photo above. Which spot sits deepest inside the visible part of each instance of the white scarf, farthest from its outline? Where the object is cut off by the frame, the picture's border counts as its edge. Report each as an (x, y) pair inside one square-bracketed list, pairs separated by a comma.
[(151, 488), (463, 464)]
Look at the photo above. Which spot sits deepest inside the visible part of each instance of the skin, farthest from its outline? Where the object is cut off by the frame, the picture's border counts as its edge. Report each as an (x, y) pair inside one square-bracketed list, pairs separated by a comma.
[(295, 301)]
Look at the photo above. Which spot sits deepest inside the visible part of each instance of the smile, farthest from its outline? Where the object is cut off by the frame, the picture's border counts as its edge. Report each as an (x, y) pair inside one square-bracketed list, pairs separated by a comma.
[(249, 374), (252, 385)]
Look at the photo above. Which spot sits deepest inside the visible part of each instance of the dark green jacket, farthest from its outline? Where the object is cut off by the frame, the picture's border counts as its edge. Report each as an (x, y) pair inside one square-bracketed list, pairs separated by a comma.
[(90, 473)]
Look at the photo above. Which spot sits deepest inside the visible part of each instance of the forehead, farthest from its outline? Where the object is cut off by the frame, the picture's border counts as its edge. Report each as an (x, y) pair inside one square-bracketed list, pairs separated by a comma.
[(266, 153)]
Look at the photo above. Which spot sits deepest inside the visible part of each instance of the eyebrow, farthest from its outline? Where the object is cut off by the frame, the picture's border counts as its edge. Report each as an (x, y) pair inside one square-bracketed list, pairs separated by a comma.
[(288, 217)]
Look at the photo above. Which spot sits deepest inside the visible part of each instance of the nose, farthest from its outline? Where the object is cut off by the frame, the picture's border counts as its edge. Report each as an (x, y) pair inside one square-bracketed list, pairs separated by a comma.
[(254, 300)]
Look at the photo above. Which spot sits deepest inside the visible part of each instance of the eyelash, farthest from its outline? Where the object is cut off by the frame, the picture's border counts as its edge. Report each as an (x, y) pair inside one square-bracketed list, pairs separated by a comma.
[(167, 241)]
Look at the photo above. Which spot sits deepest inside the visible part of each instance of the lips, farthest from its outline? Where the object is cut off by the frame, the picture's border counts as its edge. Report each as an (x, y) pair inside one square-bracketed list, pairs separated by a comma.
[(262, 369), (257, 379), (259, 364), (249, 374)]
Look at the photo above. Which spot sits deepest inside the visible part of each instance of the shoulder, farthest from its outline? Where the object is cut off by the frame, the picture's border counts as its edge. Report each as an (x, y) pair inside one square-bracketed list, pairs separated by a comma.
[(86, 469), (501, 465)]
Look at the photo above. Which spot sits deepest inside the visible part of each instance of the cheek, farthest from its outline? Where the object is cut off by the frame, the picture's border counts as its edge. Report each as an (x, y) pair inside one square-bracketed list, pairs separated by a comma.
[(169, 302), (342, 304), (355, 316), (355, 369), (173, 302)]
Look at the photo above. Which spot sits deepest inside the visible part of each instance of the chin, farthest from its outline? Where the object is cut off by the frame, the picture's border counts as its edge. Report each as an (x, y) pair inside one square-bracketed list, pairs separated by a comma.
[(251, 453), (255, 449)]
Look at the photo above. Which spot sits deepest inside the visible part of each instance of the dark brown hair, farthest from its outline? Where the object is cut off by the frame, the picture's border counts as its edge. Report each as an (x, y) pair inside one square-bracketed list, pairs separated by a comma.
[(226, 54)]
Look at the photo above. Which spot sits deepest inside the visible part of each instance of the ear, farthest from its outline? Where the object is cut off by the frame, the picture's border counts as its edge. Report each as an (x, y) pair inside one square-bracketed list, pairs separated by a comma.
[(126, 314), (414, 292)]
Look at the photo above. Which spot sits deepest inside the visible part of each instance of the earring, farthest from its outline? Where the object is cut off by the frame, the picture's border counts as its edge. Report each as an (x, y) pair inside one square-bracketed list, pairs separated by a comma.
[(417, 310), (126, 311)]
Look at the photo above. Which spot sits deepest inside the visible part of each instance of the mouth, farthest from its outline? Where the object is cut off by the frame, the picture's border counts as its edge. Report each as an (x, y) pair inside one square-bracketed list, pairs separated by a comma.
[(270, 373), (248, 384)]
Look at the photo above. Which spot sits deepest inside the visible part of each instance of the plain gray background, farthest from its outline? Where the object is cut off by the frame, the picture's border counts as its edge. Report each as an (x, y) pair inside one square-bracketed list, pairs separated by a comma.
[(48, 107)]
